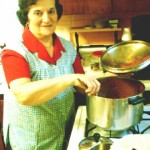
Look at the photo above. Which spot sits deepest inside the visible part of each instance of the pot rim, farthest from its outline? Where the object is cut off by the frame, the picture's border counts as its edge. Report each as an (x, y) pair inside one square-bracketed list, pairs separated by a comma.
[(104, 81)]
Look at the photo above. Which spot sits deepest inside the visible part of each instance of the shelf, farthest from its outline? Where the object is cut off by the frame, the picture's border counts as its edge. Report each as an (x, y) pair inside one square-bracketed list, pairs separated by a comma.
[(79, 30), (76, 31)]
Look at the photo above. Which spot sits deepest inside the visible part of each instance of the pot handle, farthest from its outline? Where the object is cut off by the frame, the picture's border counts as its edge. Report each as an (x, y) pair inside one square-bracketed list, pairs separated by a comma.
[(135, 100)]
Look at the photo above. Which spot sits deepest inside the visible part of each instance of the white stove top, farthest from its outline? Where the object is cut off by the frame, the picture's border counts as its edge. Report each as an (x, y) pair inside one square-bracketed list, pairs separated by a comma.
[(78, 131)]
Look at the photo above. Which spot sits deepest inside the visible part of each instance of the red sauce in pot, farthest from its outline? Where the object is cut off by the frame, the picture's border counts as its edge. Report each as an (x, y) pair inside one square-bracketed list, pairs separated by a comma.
[(115, 87)]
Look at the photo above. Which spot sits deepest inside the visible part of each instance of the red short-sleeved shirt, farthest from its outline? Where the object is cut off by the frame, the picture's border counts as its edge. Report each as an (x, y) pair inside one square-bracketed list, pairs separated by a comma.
[(15, 66)]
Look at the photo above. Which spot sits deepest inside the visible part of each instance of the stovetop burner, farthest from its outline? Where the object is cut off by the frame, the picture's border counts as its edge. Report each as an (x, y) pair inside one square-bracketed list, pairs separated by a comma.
[(91, 129)]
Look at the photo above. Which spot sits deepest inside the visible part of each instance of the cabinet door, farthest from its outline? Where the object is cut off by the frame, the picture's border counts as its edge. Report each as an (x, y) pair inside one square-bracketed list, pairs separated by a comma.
[(98, 6), (123, 5), (141, 5), (73, 7)]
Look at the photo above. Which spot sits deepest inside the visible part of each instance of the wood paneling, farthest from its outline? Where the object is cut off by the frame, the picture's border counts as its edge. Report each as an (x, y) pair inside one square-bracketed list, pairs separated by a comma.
[(73, 6), (95, 6), (123, 5), (141, 5), (86, 6), (130, 6), (84, 12)]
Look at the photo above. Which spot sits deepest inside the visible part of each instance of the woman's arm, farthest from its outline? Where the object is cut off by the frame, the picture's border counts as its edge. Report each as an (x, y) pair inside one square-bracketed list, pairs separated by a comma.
[(37, 92), (29, 92)]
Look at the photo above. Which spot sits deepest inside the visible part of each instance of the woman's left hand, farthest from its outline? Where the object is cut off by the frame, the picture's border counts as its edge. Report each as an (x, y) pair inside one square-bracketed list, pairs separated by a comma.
[(89, 83)]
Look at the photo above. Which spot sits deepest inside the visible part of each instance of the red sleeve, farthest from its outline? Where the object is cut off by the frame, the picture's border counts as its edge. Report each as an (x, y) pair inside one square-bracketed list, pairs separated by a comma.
[(78, 65), (14, 65)]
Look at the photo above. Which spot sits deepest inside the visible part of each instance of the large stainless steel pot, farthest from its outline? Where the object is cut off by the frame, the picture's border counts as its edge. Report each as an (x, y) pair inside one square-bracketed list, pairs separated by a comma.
[(119, 104)]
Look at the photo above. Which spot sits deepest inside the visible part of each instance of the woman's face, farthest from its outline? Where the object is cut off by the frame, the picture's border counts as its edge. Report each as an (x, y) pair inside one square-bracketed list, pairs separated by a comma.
[(42, 18)]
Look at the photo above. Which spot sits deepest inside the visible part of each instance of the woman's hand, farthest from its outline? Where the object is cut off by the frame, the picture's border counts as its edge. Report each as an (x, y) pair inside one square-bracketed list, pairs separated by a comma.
[(89, 83)]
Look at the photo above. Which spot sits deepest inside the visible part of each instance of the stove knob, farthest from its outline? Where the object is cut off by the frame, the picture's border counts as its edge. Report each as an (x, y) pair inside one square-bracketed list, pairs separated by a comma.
[(96, 137)]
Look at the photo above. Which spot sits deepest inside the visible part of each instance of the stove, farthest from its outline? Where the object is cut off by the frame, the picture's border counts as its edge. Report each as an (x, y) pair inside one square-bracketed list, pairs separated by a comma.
[(82, 128)]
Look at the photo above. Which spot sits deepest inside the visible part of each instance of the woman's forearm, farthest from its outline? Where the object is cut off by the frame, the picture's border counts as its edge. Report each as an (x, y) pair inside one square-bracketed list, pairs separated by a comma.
[(30, 93), (37, 92)]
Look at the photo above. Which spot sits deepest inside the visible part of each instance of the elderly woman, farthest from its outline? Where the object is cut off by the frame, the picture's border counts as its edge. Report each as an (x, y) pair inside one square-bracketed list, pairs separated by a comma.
[(42, 71)]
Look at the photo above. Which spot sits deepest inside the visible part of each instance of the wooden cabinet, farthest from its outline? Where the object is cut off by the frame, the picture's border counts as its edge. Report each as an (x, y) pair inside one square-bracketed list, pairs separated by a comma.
[(81, 13), (123, 6), (95, 6), (141, 6), (75, 7), (131, 5)]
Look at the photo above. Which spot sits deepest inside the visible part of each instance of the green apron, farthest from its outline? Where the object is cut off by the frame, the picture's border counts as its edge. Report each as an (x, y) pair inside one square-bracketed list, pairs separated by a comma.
[(41, 127)]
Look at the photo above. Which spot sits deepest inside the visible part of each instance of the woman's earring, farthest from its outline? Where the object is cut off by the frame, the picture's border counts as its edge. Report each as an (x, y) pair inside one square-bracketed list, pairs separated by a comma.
[(27, 24)]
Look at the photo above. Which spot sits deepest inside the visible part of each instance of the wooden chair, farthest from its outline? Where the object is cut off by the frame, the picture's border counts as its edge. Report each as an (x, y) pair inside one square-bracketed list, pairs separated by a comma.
[(1, 123), (1, 143)]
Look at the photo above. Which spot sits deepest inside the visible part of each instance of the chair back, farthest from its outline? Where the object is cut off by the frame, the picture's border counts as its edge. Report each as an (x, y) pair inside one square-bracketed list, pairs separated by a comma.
[(1, 124)]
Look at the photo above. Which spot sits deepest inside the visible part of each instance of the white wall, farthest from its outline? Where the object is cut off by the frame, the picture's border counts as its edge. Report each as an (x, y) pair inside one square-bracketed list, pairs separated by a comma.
[(10, 28)]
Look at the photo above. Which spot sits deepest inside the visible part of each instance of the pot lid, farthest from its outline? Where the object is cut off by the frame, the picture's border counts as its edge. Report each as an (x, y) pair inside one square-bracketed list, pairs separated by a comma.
[(95, 142), (125, 57)]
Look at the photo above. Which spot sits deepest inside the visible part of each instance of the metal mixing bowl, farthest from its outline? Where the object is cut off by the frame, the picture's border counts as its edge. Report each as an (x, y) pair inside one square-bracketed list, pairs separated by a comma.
[(124, 57)]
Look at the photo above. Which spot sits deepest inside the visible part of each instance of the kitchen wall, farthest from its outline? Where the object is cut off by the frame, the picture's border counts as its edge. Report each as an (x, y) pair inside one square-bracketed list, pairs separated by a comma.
[(79, 13)]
